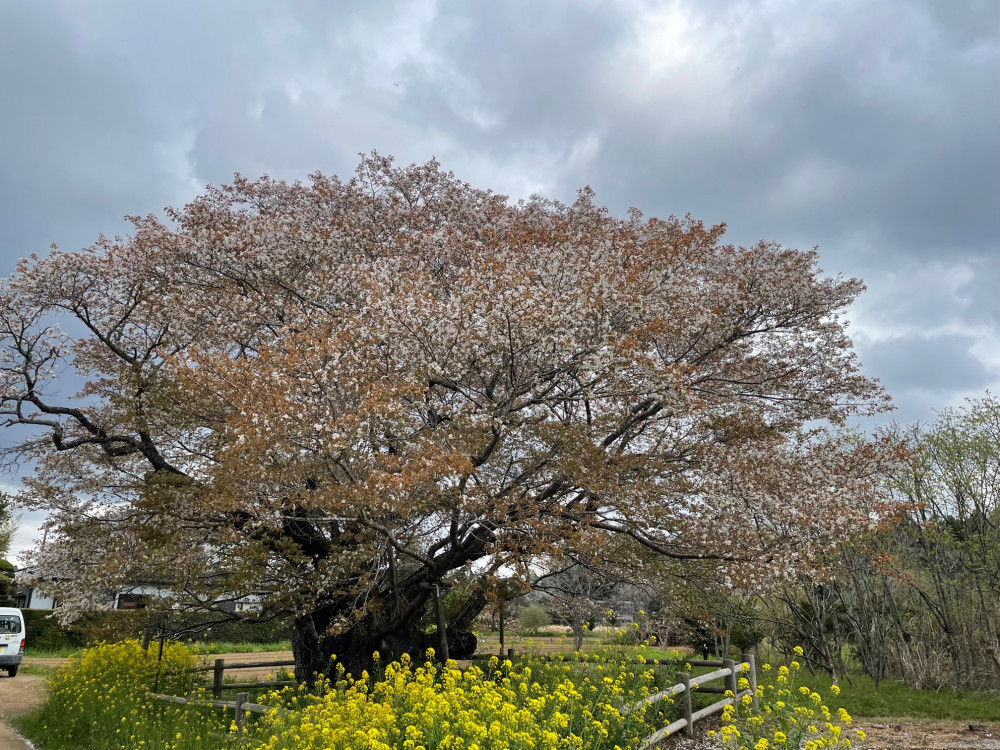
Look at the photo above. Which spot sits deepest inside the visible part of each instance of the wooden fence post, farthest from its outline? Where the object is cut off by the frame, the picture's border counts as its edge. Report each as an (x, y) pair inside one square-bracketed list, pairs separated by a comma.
[(685, 679), (217, 672), (752, 676), (241, 698), (731, 681)]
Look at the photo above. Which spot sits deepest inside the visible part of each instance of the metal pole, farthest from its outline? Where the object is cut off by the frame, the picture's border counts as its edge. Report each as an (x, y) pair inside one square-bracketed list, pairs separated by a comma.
[(503, 606)]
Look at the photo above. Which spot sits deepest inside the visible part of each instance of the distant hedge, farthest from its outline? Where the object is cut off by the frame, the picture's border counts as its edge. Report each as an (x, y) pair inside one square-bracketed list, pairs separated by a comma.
[(46, 634)]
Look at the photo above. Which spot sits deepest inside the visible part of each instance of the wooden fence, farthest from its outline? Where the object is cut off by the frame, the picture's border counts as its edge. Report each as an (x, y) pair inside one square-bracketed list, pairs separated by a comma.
[(240, 706), (218, 670), (727, 670)]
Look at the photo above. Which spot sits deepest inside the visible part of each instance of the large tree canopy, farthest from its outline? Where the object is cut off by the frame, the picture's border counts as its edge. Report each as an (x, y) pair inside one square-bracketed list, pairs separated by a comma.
[(329, 396)]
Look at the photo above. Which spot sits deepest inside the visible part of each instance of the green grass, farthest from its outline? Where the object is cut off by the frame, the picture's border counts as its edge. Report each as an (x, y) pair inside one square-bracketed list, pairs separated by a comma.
[(35, 670), (892, 699), (212, 647), (35, 653), (895, 699), (240, 648)]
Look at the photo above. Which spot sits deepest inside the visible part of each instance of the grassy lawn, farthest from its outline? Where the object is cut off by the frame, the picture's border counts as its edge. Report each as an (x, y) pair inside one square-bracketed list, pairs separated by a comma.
[(30, 652), (222, 647), (35, 670), (893, 698)]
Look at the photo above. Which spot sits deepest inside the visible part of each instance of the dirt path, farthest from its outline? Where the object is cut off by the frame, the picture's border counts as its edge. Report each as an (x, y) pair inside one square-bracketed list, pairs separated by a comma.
[(894, 734), (18, 695)]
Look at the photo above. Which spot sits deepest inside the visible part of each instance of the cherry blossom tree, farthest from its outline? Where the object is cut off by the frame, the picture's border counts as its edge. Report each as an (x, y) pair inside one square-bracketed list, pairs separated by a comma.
[(324, 398), (576, 594)]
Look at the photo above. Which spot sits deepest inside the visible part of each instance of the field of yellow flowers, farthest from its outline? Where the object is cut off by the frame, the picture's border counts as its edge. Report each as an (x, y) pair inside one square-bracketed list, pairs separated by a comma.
[(100, 702)]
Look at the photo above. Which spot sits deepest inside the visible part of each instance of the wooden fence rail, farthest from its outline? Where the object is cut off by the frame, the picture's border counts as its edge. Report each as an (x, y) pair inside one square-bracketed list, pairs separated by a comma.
[(240, 706), (218, 670), (728, 672)]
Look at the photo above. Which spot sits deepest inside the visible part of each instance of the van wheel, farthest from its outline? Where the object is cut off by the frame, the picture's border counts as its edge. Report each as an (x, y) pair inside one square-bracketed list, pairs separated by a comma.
[(12, 671)]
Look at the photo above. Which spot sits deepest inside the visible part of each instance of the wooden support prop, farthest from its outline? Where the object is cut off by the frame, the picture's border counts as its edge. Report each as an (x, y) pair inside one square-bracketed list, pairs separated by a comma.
[(502, 613), (442, 628)]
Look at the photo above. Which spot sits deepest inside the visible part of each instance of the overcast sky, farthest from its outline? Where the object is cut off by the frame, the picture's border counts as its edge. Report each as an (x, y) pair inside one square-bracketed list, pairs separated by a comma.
[(870, 129)]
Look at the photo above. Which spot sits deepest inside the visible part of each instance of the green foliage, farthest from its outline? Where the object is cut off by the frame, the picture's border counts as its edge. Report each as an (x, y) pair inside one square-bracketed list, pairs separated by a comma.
[(45, 633), (99, 702), (228, 647), (238, 631), (7, 586), (533, 617), (110, 626)]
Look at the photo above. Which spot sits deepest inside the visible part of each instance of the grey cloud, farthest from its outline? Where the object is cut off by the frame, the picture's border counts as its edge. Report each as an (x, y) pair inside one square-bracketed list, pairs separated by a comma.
[(868, 129), (77, 140), (936, 364)]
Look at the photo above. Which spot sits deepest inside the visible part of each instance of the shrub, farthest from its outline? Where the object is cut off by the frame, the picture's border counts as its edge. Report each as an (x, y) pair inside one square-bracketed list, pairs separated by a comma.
[(44, 633), (99, 700), (532, 618), (533, 704), (787, 716), (110, 626)]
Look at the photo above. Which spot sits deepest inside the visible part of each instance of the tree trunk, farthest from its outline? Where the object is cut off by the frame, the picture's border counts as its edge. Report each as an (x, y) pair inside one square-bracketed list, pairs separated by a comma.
[(317, 654), (577, 636)]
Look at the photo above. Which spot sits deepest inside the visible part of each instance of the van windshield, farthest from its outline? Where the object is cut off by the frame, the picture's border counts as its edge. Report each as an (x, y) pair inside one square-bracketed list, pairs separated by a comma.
[(10, 624)]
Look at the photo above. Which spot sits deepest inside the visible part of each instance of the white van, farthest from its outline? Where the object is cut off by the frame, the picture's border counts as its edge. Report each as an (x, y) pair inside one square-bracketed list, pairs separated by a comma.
[(11, 639)]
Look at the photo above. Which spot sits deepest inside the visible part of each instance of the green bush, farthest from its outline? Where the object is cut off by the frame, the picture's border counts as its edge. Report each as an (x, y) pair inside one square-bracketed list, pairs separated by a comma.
[(530, 619), (44, 633), (245, 632), (99, 702), (111, 626)]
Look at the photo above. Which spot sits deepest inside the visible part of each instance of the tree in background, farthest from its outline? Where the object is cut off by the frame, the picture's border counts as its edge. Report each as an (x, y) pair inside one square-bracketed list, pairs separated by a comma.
[(577, 594), (918, 597), (8, 527), (533, 617), (324, 398)]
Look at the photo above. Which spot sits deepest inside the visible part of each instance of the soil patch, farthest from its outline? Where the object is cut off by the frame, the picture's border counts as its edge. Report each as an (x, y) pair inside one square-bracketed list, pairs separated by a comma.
[(894, 734), (18, 695)]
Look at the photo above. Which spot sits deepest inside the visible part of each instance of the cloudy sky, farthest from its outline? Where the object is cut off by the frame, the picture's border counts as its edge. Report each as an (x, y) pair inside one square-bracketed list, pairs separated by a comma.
[(870, 129)]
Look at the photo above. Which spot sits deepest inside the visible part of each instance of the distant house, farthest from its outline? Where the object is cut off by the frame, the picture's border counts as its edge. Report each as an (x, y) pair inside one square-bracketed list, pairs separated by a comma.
[(131, 597), (31, 598)]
